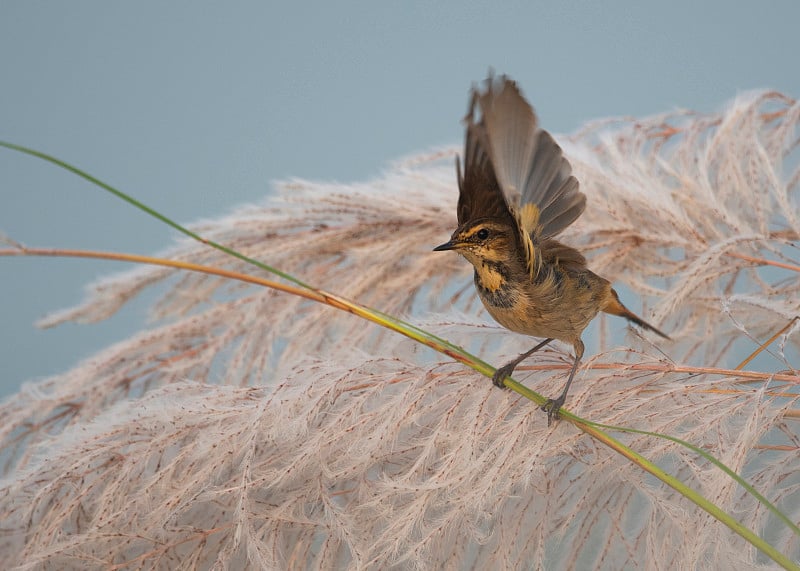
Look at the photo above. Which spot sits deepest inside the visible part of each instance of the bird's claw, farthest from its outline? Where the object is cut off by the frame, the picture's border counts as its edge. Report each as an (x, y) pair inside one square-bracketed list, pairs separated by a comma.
[(551, 407), (500, 376)]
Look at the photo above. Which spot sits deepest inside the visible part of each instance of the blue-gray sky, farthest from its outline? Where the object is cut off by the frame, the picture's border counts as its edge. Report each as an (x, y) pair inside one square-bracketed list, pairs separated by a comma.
[(196, 106)]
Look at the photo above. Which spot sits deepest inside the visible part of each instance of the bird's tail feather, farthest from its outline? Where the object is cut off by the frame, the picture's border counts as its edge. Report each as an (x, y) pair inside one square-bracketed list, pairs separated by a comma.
[(614, 306)]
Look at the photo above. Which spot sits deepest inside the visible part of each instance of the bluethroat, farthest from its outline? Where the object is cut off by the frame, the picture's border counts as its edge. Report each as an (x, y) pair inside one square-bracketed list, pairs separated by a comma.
[(516, 193)]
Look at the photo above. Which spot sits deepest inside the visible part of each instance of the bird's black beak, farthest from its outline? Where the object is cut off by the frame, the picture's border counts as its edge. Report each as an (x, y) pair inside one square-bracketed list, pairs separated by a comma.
[(451, 245)]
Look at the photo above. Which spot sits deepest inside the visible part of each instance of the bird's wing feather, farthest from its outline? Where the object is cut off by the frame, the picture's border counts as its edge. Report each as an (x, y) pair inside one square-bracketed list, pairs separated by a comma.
[(479, 192), (534, 177)]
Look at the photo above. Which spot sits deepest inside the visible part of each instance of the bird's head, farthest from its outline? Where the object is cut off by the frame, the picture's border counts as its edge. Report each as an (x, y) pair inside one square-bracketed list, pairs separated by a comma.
[(482, 240)]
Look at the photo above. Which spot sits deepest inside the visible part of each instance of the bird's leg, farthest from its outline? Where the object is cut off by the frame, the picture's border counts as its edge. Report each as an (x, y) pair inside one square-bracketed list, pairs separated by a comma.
[(506, 370), (552, 405)]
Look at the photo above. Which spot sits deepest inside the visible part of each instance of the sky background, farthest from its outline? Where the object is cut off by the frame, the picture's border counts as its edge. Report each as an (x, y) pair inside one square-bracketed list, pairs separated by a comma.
[(195, 107)]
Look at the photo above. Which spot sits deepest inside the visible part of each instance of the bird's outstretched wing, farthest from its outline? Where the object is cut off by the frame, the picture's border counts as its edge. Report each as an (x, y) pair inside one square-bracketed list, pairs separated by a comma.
[(534, 177), (479, 192)]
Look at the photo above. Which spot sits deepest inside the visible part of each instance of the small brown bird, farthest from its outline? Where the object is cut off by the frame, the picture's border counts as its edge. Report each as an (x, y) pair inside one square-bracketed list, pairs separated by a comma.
[(515, 194)]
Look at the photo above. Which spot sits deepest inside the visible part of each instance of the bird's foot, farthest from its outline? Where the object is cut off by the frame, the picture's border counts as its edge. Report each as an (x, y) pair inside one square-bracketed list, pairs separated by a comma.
[(501, 374), (551, 407)]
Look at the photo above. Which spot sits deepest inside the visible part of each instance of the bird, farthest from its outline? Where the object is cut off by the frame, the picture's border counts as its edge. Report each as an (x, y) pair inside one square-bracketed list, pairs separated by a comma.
[(516, 194)]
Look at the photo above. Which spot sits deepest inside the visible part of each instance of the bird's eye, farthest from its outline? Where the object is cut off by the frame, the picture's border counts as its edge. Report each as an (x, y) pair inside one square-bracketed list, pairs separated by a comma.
[(482, 234)]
